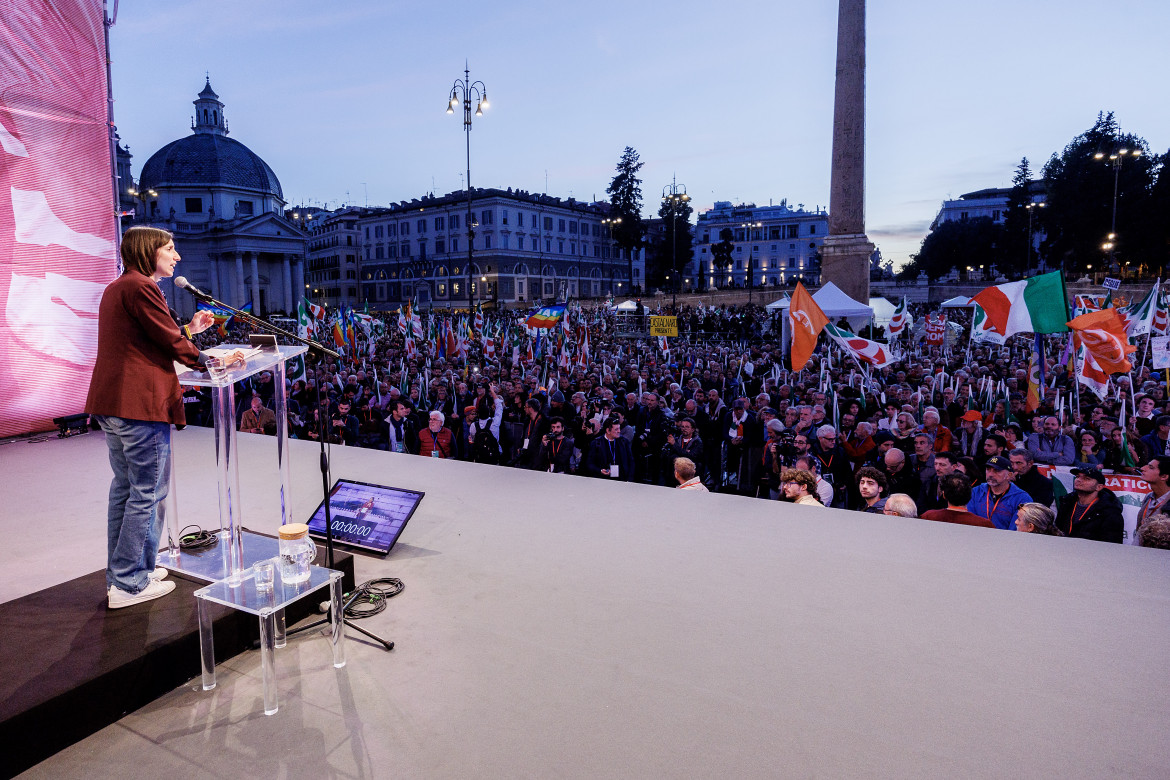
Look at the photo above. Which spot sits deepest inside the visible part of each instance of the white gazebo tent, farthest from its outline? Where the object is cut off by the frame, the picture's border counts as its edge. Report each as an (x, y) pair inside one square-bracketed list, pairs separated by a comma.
[(883, 311), (630, 305), (782, 303), (958, 302), (834, 303)]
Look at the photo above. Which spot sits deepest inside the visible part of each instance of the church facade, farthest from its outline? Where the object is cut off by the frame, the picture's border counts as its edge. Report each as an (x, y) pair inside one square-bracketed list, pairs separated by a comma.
[(227, 210)]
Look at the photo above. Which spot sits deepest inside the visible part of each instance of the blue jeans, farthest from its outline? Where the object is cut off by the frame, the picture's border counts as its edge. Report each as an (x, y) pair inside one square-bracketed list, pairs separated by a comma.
[(140, 455)]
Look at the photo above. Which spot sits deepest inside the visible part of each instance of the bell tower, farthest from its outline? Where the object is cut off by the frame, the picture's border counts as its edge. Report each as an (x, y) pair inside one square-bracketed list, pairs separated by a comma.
[(209, 112)]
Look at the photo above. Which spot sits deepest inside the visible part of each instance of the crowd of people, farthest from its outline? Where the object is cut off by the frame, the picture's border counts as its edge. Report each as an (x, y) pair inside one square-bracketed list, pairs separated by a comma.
[(717, 409)]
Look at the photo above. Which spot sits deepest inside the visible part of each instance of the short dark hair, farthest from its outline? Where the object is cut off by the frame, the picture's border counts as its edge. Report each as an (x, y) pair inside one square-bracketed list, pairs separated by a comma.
[(998, 438), (875, 475), (556, 419), (1163, 464), (972, 467), (946, 455), (956, 489), (611, 421), (535, 405)]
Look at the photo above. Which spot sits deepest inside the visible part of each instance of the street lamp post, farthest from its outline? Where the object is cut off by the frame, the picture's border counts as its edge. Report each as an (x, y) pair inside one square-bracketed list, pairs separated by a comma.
[(674, 194), (747, 234), (610, 223), (1031, 207), (1115, 160), (144, 199), (464, 90), (495, 288)]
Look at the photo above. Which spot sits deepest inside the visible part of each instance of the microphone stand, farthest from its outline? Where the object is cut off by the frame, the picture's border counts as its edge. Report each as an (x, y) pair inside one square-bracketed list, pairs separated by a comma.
[(321, 349)]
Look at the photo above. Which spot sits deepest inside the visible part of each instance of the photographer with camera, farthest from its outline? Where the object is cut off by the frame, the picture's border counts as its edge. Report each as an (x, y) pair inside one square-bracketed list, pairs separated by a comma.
[(343, 426), (556, 449), (777, 449), (682, 442)]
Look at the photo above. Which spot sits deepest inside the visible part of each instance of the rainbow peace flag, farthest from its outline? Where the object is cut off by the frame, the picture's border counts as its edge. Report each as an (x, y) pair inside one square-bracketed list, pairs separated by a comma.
[(546, 317), (222, 316)]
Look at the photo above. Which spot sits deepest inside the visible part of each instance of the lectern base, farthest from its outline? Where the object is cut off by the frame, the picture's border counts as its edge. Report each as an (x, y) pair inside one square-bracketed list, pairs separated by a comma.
[(211, 564)]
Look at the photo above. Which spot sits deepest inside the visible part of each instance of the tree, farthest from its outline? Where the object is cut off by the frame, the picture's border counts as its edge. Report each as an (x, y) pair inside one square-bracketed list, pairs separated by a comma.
[(1016, 254), (961, 244), (676, 250), (625, 201), (721, 252), (1080, 199)]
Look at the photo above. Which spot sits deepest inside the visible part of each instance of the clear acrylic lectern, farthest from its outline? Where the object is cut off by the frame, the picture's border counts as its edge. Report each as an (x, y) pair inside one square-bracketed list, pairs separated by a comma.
[(228, 559)]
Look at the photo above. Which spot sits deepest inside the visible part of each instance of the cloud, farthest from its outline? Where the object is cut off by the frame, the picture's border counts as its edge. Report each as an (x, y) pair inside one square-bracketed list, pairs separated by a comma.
[(913, 229)]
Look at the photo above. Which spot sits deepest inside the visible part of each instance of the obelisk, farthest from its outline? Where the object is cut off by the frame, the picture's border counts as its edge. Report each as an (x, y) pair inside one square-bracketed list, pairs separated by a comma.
[(846, 251)]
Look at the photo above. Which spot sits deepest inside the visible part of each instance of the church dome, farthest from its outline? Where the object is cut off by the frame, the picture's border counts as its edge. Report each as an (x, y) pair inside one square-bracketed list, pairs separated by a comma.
[(208, 158), (210, 161)]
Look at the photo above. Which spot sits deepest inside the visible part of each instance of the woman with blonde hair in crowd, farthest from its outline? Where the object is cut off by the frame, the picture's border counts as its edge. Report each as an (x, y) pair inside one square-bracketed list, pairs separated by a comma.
[(1033, 518)]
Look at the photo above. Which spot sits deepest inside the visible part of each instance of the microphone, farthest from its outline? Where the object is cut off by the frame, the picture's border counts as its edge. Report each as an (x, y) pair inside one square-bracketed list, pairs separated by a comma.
[(181, 281)]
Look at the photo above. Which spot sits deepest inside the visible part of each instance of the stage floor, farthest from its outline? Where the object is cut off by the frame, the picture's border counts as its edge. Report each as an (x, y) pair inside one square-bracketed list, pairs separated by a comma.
[(557, 626)]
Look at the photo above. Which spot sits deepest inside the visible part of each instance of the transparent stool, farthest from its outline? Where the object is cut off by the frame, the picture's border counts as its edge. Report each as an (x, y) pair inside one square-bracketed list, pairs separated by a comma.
[(269, 607)]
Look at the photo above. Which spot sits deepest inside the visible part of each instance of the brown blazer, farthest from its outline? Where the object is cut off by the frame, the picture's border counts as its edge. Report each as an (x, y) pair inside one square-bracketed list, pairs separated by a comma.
[(138, 342)]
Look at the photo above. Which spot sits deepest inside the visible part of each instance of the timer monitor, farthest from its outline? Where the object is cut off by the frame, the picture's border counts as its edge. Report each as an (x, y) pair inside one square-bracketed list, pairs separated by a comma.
[(365, 516)]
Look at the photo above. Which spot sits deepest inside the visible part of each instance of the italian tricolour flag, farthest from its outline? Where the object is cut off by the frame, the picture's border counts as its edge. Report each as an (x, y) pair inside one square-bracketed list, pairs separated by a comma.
[(1036, 305)]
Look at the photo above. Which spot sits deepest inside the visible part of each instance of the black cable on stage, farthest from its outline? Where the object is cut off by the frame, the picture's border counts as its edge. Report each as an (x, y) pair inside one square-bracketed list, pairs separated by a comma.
[(370, 597), (197, 539)]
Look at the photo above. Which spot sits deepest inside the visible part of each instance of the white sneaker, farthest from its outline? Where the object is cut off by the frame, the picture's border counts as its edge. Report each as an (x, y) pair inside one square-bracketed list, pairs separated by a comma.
[(155, 589), (159, 573)]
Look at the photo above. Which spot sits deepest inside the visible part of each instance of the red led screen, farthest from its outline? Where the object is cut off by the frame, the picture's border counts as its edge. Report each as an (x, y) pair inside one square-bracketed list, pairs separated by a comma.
[(57, 224)]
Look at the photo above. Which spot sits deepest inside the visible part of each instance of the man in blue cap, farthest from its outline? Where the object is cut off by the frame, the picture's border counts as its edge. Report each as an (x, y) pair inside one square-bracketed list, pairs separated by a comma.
[(998, 498)]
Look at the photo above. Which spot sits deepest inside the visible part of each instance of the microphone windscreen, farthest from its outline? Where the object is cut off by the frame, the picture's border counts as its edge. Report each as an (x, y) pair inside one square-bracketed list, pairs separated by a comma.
[(180, 281)]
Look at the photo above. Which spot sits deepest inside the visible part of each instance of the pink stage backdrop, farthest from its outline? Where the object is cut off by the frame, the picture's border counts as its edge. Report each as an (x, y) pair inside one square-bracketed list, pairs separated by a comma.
[(57, 224)]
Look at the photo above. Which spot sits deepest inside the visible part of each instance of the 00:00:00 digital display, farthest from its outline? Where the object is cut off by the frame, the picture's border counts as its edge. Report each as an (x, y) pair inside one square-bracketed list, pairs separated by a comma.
[(350, 528)]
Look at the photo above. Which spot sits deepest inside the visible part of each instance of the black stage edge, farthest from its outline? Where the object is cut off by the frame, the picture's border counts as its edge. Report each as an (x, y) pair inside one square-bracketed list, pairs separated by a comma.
[(70, 666)]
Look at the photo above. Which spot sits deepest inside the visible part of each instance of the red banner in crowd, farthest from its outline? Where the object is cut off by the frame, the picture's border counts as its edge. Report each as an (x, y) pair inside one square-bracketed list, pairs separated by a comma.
[(57, 225), (936, 328)]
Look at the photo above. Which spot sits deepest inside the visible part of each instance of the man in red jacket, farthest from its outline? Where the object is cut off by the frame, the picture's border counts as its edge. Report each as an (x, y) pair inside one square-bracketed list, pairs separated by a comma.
[(436, 441), (134, 396)]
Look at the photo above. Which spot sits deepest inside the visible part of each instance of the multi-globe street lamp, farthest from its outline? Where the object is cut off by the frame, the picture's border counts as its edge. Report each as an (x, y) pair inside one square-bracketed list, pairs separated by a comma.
[(463, 90), (1115, 159), (610, 224), (1031, 207), (494, 287), (747, 235), (674, 195)]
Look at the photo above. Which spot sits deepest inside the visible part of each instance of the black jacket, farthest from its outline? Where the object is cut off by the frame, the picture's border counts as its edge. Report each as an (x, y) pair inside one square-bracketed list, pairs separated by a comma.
[(1102, 522), (693, 450), (835, 466), (1036, 485), (557, 454), (602, 454), (409, 433), (531, 431)]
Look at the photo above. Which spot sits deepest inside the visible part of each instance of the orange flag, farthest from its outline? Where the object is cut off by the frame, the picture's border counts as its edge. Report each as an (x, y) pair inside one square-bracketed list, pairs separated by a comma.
[(1102, 333), (807, 320)]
